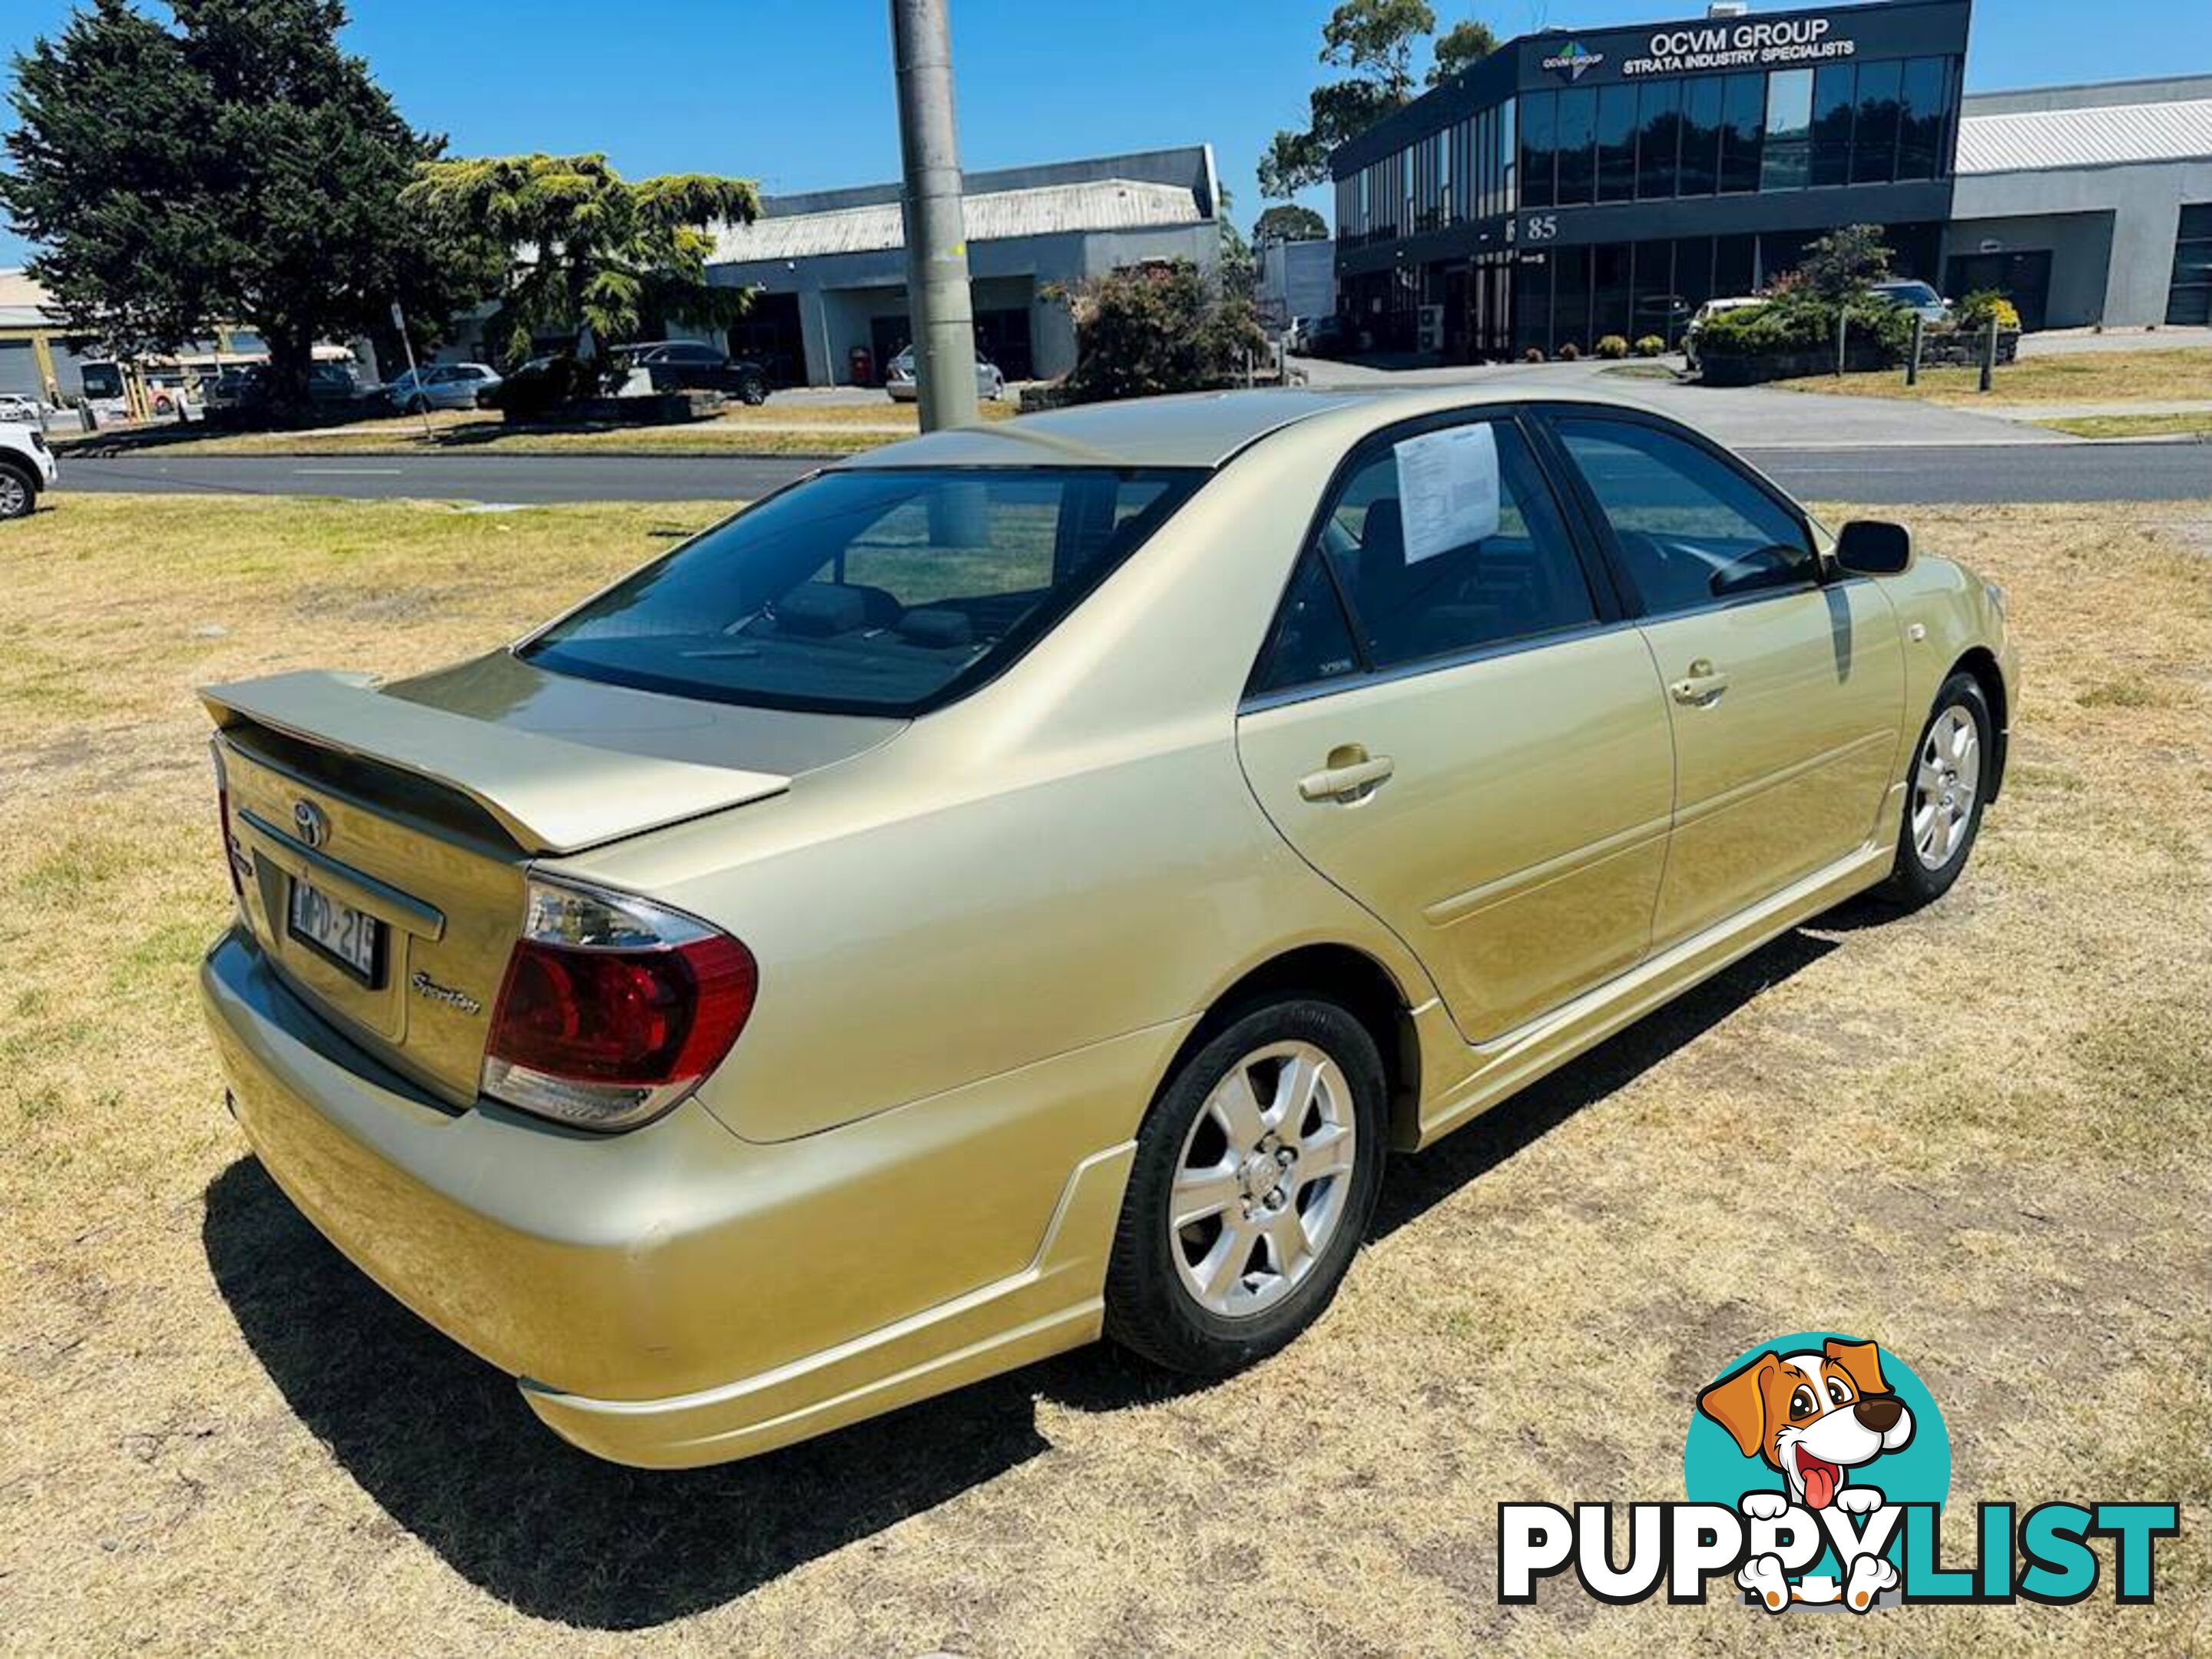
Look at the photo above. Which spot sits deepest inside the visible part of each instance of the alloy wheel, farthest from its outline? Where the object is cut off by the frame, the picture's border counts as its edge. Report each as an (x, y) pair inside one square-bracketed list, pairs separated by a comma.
[(15, 496), (1945, 781), (1262, 1181)]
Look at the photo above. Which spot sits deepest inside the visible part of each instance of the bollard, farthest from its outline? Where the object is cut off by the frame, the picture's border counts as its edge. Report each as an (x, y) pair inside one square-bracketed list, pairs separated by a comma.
[(1912, 363), (1842, 324), (1990, 352)]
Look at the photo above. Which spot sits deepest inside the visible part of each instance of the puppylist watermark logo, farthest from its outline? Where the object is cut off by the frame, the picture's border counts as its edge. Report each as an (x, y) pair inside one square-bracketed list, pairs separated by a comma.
[(1816, 1470)]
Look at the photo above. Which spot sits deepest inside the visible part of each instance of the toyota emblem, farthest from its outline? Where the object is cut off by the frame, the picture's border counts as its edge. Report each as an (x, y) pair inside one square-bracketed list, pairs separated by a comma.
[(312, 824)]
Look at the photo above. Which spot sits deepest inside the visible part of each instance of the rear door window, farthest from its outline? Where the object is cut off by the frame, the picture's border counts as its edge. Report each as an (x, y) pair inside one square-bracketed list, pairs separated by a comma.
[(1450, 540), (876, 592)]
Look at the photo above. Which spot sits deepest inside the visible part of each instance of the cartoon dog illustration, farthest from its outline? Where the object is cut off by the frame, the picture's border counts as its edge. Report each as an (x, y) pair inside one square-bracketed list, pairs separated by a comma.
[(1812, 1416)]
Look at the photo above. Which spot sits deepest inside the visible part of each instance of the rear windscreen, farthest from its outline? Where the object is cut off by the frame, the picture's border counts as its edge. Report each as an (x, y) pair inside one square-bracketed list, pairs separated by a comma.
[(882, 591)]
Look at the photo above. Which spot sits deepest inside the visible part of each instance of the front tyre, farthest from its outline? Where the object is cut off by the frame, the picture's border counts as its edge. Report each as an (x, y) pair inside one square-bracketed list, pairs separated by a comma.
[(1946, 790), (1255, 1175), (19, 491)]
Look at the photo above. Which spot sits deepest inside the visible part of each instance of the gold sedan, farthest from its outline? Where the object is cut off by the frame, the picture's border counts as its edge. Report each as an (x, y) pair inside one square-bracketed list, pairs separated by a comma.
[(1016, 886)]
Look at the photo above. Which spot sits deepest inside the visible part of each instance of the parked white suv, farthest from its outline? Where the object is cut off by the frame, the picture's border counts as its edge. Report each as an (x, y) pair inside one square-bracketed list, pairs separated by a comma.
[(27, 466)]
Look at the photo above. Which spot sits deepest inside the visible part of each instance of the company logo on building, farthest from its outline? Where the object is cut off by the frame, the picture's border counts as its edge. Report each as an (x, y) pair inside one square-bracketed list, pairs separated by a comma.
[(1763, 44), (1574, 61)]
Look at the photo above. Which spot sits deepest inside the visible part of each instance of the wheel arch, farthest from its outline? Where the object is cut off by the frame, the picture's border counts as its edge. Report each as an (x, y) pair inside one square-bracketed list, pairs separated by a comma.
[(1981, 663), (1343, 973)]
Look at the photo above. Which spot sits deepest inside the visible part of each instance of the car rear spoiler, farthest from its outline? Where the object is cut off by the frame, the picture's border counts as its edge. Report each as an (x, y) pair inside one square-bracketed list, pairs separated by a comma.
[(550, 795)]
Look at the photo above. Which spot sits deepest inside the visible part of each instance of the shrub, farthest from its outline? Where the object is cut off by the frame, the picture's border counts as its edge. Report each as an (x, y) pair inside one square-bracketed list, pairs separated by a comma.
[(1798, 320), (1652, 345), (1612, 347), (1839, 267), (1984, 303), (1533, 355), (1163, 327), (1570, 353)]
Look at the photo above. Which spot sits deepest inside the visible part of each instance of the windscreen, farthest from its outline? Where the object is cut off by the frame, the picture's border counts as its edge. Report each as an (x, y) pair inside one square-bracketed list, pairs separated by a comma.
[(879, 592)]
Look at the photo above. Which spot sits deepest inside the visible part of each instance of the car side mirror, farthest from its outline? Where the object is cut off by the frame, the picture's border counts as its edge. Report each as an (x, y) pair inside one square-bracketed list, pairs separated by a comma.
[(1874, 547)]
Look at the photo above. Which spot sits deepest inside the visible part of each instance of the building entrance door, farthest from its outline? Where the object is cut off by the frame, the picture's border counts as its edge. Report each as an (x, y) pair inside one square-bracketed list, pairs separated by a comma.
[(1459, 315), (1490, 316), (887, 337), (1003, 336), (2022, 278)]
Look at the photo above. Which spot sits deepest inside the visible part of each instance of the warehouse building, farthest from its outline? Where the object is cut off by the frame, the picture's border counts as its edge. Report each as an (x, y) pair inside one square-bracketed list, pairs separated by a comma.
[(829, 269), (1296, 279), (1572, 185), (39, 358), (2087, 203)]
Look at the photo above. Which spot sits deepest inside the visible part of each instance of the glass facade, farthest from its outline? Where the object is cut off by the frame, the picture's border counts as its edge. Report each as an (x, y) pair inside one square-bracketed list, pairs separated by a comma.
[(1463, 171), (1725, 135), (1642, 131), (1577, 296)]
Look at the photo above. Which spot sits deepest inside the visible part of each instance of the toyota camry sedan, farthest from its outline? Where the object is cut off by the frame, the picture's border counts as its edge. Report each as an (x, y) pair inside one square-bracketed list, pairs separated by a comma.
[(1017, 886)]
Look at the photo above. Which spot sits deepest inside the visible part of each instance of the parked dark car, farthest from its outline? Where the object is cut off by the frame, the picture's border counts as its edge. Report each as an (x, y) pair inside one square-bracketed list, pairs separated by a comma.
[(694, 366), (339, 386), (542, 385), (1327, 337), (332, 387)]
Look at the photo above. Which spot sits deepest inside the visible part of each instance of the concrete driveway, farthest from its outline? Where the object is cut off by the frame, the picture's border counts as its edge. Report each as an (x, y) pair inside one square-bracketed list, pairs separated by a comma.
[(1742, 416)]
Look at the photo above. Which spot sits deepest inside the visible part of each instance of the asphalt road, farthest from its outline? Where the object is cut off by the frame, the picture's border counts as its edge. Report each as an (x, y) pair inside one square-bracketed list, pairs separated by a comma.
[(1903, 476)]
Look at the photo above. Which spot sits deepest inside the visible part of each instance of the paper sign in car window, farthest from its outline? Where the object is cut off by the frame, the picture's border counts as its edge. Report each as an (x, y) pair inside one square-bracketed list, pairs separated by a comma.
[(1448, 489)]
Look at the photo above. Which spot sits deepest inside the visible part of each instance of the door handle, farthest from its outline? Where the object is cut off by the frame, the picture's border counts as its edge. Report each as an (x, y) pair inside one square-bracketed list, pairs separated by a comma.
[(1703, 686), (1349, 782)]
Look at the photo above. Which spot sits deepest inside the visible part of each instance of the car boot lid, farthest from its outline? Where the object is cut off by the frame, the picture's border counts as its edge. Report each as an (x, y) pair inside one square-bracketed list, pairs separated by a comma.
[(550, 794)]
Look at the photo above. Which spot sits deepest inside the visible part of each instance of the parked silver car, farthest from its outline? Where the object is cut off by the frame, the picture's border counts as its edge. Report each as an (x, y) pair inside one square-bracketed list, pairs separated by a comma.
[(442, 386), (899, 378), (1915, 296)]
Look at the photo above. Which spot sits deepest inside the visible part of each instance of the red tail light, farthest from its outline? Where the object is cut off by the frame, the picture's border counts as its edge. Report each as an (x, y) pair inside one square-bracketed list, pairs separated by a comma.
[(233, 855), (613, 1008)]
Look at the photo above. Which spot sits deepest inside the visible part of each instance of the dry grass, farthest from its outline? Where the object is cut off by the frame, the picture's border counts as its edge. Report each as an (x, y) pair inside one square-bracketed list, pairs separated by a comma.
[(2082, 377), (1975, 1134), (772, 428)]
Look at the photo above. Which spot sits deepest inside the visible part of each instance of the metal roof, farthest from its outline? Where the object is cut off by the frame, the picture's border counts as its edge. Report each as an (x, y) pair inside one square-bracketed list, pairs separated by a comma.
[(2036, 140), (995, 215)]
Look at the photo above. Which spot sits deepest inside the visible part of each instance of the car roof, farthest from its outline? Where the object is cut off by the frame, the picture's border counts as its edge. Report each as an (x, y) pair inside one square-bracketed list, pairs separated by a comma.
[(1204, 428)]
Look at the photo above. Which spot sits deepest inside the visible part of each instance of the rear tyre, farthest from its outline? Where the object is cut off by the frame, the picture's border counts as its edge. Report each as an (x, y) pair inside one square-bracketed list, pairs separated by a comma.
[(1945, 789), (19, 490), (1256, 1175), (752, 391)]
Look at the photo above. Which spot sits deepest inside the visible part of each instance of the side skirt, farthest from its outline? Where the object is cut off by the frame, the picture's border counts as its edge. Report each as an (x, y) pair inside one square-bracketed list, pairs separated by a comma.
[(1507, 1064)]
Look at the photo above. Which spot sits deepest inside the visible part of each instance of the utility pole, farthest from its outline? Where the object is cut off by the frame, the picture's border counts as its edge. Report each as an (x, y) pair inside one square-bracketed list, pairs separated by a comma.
[(936, 237)]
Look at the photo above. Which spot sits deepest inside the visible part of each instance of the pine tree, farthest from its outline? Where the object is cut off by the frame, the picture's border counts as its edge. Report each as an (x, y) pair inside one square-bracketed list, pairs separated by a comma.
[(240, 167)]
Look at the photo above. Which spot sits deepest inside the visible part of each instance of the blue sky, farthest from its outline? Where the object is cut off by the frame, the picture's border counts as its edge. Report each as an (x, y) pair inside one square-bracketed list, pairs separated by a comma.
[(797, 94)]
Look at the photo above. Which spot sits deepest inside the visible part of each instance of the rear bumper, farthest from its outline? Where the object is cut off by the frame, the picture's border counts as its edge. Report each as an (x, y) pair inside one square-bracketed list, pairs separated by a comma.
[(679, 1295)]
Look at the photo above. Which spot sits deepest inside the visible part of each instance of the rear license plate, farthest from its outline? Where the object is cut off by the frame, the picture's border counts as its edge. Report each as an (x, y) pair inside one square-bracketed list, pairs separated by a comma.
[(347, 937)]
